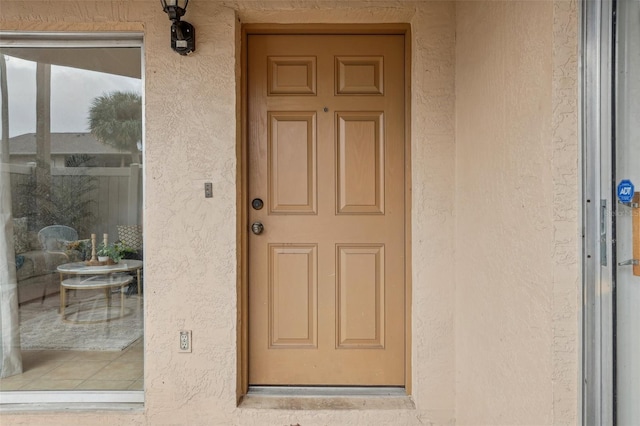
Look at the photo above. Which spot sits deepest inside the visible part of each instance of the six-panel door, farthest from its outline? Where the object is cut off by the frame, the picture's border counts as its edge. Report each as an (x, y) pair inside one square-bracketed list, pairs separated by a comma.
[(326, 155)]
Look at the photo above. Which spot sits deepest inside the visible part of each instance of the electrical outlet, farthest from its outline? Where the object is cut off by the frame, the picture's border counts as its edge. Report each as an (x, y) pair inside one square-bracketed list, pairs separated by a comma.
[(185, 341)]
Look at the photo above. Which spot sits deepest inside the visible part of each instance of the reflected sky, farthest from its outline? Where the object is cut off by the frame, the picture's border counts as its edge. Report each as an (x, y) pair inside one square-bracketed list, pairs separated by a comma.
[(72, 91)]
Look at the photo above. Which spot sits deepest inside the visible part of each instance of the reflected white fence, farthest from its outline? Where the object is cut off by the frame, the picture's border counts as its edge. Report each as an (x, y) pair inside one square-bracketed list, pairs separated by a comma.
[(115, 194)]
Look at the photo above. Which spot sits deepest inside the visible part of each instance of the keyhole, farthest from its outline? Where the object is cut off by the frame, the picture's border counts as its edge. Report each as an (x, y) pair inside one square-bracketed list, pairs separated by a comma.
[(325, 109)]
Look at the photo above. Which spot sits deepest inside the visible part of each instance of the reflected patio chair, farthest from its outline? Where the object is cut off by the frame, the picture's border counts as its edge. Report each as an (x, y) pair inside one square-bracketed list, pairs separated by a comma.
[(54, 240), (131, 237)]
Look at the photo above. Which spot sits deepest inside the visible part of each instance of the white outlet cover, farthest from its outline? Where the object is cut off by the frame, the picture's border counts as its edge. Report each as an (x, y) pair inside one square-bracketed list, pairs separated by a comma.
[(185, 341)]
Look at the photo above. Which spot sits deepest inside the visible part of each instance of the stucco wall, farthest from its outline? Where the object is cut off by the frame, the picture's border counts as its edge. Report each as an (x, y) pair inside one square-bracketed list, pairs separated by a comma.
[(191, 113), (517, 287)]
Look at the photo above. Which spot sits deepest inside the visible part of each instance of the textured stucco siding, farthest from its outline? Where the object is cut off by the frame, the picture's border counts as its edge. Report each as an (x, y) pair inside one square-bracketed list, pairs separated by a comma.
[(493, 214), (517, 286)]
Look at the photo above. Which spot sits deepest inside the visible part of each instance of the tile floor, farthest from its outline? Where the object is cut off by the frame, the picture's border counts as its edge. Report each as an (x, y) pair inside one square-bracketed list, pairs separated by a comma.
[(78, 370)]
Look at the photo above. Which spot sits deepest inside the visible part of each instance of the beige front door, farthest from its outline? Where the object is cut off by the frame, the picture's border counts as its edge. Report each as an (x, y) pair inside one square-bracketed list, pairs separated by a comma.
[(326, 157)]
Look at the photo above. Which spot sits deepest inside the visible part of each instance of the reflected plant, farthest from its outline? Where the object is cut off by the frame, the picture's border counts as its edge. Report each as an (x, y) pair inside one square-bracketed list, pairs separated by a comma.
[(116, 251), (115, 119), (67, 201)]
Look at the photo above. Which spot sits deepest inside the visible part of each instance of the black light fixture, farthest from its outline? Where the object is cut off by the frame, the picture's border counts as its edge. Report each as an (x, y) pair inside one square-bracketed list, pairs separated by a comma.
[(183, 35)]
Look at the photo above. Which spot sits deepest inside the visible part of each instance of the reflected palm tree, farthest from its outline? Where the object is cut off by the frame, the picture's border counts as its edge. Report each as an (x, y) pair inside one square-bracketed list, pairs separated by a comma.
[(115, 119)]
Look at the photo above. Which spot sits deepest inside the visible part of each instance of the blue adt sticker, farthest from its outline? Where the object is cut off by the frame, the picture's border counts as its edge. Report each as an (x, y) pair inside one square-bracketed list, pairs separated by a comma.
[(625, 191)]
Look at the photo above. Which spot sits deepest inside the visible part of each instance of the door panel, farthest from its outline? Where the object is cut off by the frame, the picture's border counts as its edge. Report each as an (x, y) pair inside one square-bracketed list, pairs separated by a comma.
[(360, 301), (292, 162), (326, 154), (356, 75), (293, 287), (360, 162)]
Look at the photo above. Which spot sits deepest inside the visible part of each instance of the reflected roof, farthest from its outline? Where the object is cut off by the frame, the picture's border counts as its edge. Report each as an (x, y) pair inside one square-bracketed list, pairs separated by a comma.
[(61, 143)]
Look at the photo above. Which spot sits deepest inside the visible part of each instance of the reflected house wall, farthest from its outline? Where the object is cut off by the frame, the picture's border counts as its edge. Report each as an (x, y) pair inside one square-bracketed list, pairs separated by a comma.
[(191, 259)]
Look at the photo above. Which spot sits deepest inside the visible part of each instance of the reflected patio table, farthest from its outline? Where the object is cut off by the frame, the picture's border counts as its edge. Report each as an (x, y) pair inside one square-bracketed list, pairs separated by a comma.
[(81, 268)]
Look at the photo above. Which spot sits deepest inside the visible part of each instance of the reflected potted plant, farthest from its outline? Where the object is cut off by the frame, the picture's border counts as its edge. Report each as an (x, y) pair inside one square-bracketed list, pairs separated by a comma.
[(117, 251), (114, 252), (103, 252)]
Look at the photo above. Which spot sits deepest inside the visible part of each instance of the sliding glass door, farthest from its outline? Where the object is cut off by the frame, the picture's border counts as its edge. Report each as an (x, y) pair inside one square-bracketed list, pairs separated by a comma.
[(626, 120), (611, 207), (71, 191)]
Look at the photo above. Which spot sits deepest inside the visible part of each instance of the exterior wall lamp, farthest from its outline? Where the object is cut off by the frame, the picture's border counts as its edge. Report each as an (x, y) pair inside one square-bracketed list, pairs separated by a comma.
[(183, 35)]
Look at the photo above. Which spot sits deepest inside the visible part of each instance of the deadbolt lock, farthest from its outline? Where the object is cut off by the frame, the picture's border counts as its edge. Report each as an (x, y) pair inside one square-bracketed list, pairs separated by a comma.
[(257, 204)]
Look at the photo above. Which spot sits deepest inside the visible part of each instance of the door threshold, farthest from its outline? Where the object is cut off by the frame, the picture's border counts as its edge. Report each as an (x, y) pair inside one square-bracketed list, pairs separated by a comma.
[(327, 398), (327, 391)]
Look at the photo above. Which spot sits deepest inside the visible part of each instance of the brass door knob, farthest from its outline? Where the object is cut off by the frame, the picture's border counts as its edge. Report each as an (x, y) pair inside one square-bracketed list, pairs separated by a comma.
[(257, 228)]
